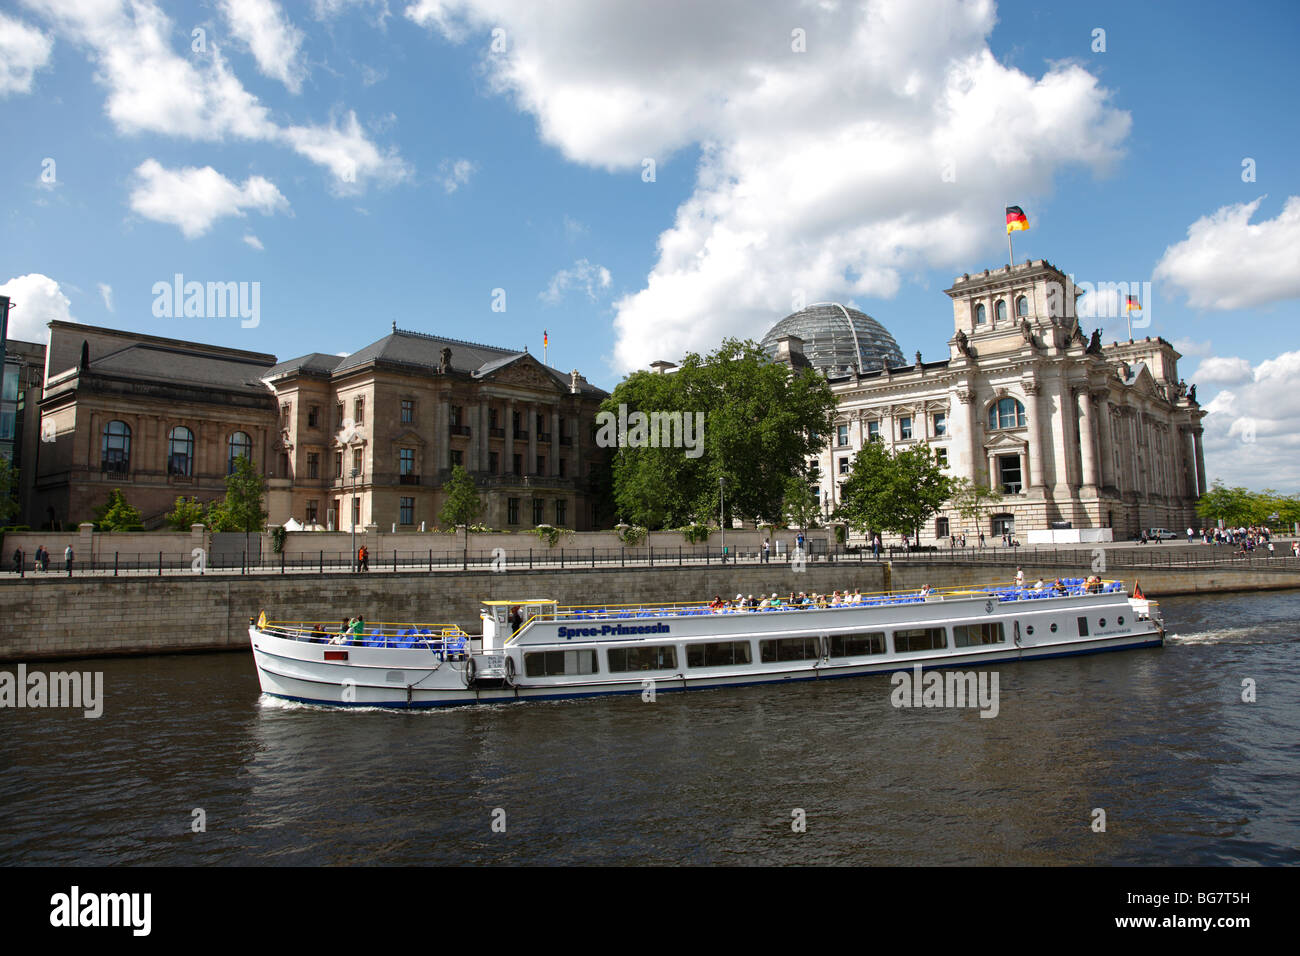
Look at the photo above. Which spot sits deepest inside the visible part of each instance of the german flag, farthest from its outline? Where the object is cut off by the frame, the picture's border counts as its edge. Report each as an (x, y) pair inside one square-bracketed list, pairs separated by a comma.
[(1016, 219), (546, 339), (1131, 304)]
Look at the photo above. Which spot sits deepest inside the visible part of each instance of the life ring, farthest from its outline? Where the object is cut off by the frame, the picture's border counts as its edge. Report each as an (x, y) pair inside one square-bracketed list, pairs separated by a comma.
[(510, 670), (471, 671)]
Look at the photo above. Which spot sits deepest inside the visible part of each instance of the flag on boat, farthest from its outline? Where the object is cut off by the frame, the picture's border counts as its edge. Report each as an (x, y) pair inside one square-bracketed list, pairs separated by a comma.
[(1016, 219), (1137, 591)]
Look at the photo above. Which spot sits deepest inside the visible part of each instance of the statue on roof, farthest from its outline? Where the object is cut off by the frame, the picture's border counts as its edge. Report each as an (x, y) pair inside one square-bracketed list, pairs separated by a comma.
[(963, 343), (1027, 331), (444, 360), (1191, 394), (918, 358), (1094, 344)]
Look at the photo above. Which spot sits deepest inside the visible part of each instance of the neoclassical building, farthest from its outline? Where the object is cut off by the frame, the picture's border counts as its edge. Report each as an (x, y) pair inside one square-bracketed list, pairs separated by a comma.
[(370, 437), (1072, 432)]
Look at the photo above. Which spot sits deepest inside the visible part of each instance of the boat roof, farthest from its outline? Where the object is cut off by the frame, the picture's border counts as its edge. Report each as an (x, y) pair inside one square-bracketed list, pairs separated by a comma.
[(522, 601)]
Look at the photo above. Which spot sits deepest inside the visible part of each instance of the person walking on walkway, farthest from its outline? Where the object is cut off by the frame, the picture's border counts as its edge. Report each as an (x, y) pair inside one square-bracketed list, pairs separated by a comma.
[(767, 547), (363, 558), (18, 560), (68, 556)]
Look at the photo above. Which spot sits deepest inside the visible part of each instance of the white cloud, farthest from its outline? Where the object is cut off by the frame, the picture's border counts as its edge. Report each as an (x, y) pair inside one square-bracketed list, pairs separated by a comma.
[(106, 293), (344, 150), (1224, 371), (253, 241), (37, 300), (276, 43), (821, 171), (573, 228), (193, 198), (1190, 347), (329, 9), (23, 51), (1226, 262), (1250, 435), (152, 89), (455, 173), (584, 275)]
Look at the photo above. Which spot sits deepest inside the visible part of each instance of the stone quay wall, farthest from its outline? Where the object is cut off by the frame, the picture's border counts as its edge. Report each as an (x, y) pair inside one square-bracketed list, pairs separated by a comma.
[(57, 617)]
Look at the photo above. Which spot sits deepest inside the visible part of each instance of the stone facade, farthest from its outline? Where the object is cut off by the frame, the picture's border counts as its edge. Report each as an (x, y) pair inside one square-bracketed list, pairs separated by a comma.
[(1068, 429)]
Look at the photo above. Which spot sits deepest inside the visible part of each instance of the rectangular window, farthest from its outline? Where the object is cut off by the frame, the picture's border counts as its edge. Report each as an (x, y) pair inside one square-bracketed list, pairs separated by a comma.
[(313, 416), (561, 512), (356, 511), (338, 464), (359, 410), (406, 461), (842, 434), (905, 427), (338, 415), (313, 507), (1009, 473), (455, 415), (559, 663), (457, 457), (519, 464), (844, 465), (539, 510), (873, 431), (790, 649), (564, 470), (286, 411), (407, 511), (494, 462), (718, 654), (408, 411), (512, 511), (857, 645), (941, 457), (920, 639), (541, 465), (1083, 627), (974, 635), (8, 420), (940, 425), (659, 657), (313, 464), (356, 461)]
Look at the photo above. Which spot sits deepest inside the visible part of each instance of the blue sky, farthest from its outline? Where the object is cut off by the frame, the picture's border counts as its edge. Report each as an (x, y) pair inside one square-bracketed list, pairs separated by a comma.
[(370, 162)]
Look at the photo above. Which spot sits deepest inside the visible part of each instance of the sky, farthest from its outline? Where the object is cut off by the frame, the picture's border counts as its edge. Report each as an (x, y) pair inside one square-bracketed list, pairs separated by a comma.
[(641, 179)]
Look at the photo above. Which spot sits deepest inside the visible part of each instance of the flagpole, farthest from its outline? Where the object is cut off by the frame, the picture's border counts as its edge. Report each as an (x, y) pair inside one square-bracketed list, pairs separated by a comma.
[(1011, 256)]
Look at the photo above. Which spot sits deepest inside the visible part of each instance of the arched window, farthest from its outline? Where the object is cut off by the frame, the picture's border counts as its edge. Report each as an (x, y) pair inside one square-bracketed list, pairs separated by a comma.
[(1001, 310), (1022, 306), (115, 453), (981, 314), (240, 444), (1006, 413), (180, 451)]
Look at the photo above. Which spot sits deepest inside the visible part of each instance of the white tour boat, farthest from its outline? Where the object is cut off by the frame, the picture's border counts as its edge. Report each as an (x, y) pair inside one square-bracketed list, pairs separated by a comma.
[(562, 652)]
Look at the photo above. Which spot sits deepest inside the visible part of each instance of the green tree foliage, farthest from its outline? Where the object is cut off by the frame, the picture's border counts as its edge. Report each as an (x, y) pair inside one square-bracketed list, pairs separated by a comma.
[(463, 504), (971, 499), (758, 428), (895, 493), (187, 512), (8, 490), (1239, 506), (116, 515), (242, 508), (801, 506)]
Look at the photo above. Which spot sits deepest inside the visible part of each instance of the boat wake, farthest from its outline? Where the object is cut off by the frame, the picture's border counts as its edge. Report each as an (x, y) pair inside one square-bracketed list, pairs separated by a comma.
[(1230, 635), (267, 702)]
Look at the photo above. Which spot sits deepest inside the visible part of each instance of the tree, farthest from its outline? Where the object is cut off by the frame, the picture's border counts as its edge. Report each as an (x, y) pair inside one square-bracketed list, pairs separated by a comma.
[(463, 504), (1234, 506), (895, 493), (187, 512), (971, 499), (801, 503), (116, 515), (751, 421), (245, 489), (8, 490)]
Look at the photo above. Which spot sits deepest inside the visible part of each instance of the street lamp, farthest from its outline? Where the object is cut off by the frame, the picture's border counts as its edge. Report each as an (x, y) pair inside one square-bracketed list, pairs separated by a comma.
[(356, 472), (722, 514)]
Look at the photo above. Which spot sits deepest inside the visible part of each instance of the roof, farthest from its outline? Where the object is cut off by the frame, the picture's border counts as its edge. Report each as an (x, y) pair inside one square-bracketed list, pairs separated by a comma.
[(311, 362), (837, 340), (182, 366)]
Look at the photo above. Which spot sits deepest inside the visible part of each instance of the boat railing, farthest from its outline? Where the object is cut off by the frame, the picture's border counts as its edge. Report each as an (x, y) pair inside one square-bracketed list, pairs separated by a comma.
[(1002, 591), (446, 640)]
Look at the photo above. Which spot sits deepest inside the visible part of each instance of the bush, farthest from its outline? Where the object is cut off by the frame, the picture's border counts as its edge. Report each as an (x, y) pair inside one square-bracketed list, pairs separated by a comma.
[(696, 533), (278, 537), (631, 534), (551, 535)]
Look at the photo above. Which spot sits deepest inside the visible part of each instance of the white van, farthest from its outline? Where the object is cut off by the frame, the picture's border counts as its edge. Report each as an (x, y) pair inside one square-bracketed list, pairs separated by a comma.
[(1164, 534)]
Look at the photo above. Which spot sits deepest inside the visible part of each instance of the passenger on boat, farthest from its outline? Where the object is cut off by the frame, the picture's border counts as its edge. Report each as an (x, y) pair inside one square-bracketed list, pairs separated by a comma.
[(926, 590), (775, 601), (1058, 586), (356, 628), (716, 604), (1039, 585), (516, 619), (1020, 577)]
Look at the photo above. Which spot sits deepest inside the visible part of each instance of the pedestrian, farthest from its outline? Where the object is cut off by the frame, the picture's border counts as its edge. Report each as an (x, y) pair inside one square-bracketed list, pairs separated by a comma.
[(363, 558), (767, 547), (18, 560), (68, 556), (875, 546), (42, 559), (981, 540)]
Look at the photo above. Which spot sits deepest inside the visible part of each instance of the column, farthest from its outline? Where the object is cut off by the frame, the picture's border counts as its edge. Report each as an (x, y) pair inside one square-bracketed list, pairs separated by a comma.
[(967, 401), (1189, 462), (1087, 442), (1107, 451), (1200, 463), (553, 466), (1035, 477), (471, 453), (993, 471), (576, 426), (1060, 447), (530, 412), (442, 434), (508, 466)]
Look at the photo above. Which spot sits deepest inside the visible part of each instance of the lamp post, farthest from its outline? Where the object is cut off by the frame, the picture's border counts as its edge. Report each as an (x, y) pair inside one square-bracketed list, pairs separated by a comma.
[(722, 514), (352, 507)]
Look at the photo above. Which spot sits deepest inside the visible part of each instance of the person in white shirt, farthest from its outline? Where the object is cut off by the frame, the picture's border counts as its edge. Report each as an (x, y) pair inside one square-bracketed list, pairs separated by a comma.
[(1020, 577)]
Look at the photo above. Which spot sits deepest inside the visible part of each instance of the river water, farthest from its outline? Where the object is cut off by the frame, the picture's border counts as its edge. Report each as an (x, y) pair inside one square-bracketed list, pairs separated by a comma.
[(1160, 740)]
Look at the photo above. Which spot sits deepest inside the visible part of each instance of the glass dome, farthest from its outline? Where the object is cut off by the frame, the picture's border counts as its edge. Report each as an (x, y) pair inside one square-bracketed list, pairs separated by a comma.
[(837, 340)]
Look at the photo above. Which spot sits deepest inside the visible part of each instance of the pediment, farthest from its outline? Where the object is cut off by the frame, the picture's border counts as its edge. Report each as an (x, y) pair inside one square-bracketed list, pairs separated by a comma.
[(1002, 441), (524, 372)]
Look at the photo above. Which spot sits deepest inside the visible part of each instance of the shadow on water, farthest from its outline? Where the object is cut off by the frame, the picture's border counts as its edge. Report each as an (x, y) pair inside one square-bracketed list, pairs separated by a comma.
[(1160, 740)]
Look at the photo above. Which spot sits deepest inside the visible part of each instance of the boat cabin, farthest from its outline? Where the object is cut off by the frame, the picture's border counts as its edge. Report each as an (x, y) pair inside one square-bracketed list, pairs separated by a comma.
[(502, 619)]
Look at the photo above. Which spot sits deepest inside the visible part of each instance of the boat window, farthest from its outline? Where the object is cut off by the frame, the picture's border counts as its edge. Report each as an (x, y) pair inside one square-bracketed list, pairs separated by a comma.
[(920, 639), (1083, 627), (790, 649), (857, 645), (559, 663), (971, 635), (718, 654), (657, 658)]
